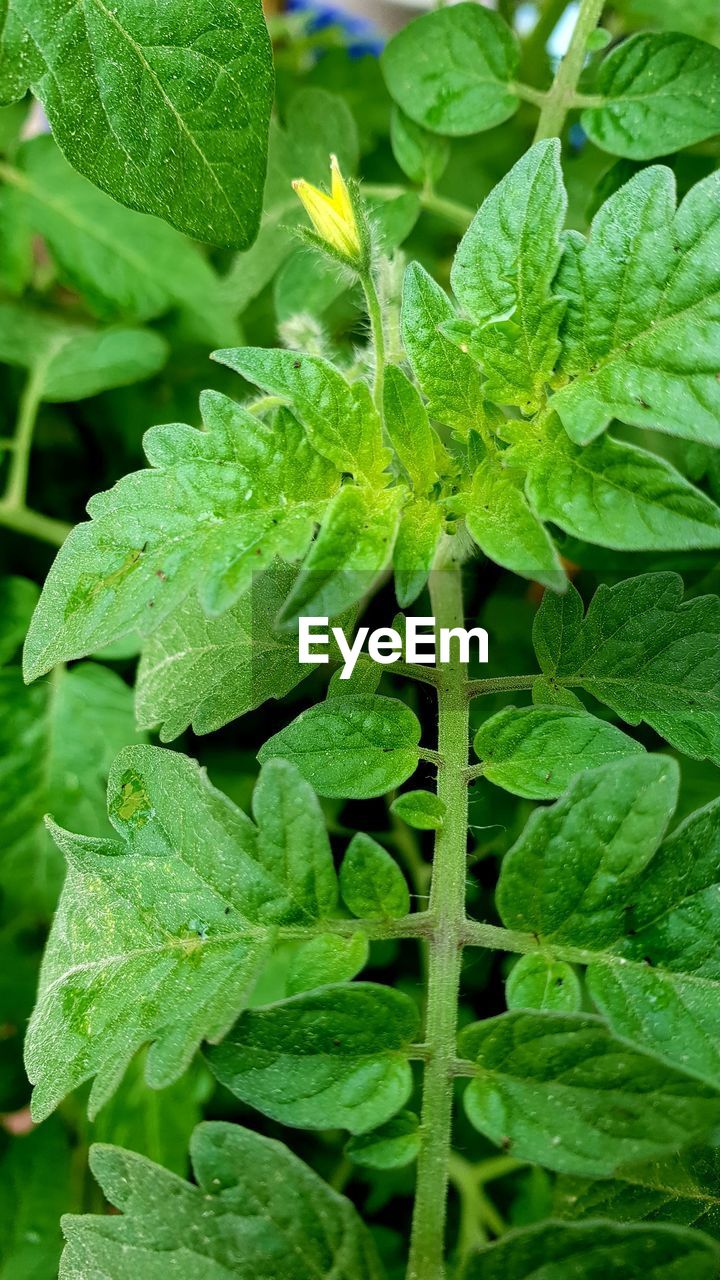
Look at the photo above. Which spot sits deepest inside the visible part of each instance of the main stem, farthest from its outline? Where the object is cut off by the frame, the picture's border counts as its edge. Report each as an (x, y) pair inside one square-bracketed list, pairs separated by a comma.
[(447, 912), (562, 94)]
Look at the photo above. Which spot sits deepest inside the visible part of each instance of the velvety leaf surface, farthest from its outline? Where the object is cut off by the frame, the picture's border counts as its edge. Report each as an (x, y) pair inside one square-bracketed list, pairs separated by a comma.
[(421, 526), (166, 108), (502, 276), (392, 1146), (505, 527), (662, 94), (256, 1213), (423, 810), (407, 425), (334, 1058), (371, 883), (160, 936), (535, 982), (214, 509), (641, 330), (594, 1251), (643, 652), (560, 1090), (452, 71), (201, 671), (535, 751), (354, 747), (448, 377)]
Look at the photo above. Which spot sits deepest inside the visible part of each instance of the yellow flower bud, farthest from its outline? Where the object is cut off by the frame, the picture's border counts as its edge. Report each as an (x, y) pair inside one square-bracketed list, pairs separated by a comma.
[(332, 216)]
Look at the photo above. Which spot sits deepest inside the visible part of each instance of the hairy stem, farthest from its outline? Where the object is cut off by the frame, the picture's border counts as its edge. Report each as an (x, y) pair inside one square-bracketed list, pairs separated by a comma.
[(562, 94), (16, 487), (378, 337), (447, 911)]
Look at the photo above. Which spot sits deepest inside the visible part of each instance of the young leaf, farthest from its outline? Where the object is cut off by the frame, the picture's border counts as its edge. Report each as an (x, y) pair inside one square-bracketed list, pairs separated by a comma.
[(165, 109), (589, 1251), (371, 883), (466, 86), (327, 958), (57, 741), (448, 377), (393, 1146), (216, 507), (73, 360), (205, 672), (535, 751), (502, 276), (560, 1090), (407, 425), (662, 93), (535, 982), (352, 549), (614, 494), (421, 526), (423, 810), (353, 747), (648, 355), (422, 156), (297, 1222), (643, 652), (159, 936), (505, 527), (572, 872), (335, 1058), (293, 843), (339, 417), (125, 264)]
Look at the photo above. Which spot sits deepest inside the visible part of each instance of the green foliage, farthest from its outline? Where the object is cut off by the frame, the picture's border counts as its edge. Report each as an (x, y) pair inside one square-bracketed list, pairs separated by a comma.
[(508, 391)]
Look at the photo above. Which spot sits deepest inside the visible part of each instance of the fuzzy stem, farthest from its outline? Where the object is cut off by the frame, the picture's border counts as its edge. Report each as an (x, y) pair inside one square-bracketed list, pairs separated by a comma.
[(447, 911), (378, 337), (562, 94), (30, 401)]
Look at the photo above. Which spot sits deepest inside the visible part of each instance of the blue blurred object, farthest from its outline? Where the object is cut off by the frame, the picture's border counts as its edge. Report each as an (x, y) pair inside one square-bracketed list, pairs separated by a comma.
[(363, 35)]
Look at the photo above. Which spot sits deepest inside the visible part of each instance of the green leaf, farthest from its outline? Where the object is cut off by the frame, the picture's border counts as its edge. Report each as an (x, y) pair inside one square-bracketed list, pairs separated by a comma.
[(125, 264), (74, 361), (662, 93), (697, 17), (683, 1188), (422, 156), (327, 958), (57, 741), (353, 747), (421, 526), (316, 124), (535, 751), (352, 549), (448, 377), (505, 527), (466, 86), (205, 672), (159, 936), (340, 418), (591, 1251), (648, 355), (371, 883), (393, 1146), (217, 507), (335, 1058), (165, 109), (536, 982), (643, 652), (407, 424), (18, 597), (293, 844), (558, 1089), (614, 494), (257, 1212), (423, 810), (35, 1176), (573, 870), (502, 276), (18, 56)]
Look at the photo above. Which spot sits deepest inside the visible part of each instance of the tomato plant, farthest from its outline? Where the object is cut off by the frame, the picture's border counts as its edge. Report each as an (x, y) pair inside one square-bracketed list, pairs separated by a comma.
[(385, 966)]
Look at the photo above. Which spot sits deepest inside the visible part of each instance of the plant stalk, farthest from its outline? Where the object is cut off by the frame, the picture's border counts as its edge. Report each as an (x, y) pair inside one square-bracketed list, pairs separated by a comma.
[(30, 401), (378, 337), (447, 911), (561, 96)]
